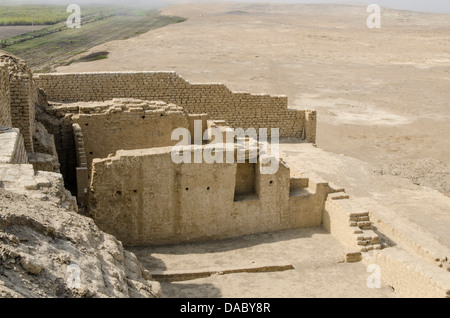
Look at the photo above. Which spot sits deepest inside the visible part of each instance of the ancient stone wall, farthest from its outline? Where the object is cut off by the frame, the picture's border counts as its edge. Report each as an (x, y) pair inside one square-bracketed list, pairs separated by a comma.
[(43, 162), (126, 124), (240, 110), (410, 275), (102, 128), (143, 197), (5, 99), (59, 127), (350, 224), (23, 97), (12, 149), (105, 127)]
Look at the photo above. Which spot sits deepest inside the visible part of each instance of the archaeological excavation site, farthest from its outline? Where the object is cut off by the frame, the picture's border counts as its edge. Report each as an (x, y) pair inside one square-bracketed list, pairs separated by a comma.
[(93, 204)]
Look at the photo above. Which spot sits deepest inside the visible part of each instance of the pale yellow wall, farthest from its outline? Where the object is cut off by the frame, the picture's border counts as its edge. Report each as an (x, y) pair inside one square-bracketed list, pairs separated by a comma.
[(350, 223), (105, 133), (5, 99), (142, 197), (12, 149), (411, 276), (23, 96), (100, 129), (240, 110)]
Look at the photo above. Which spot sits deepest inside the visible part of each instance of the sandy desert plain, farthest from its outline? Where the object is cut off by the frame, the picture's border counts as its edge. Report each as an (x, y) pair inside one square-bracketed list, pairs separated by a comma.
[(382, 99)]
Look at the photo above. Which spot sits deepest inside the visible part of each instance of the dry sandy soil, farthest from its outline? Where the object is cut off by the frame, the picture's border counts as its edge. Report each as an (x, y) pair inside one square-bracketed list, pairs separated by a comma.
[(316, 257), (382, 101)]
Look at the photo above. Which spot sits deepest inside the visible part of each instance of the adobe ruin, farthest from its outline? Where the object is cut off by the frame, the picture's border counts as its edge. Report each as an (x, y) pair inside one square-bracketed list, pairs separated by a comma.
[(110, 137)]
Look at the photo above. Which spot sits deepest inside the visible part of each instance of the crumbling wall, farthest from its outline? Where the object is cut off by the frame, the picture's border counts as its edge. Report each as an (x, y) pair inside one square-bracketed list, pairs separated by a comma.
[(43, 142), (23, 97), (126, 124), (350, 224), (240, 110), (411, 276), (143, 197), (105, 127), (12, 148), (100, 129), (82, 172), (5, 98), (59, 127), (43, 162)]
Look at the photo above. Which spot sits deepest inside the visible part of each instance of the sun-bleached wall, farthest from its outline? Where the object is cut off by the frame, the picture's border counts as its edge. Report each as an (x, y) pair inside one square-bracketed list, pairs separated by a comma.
[(5, 99), (240, 110)]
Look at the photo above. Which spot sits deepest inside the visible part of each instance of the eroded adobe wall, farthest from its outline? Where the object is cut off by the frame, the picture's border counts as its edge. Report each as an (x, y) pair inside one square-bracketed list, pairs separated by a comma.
[(127, 124), (350, 223), (143, 197), (12, 149), (102, 128), (240, 110), (411, 276), (5, 99), (23, 97), (105, 127), (60, 127)]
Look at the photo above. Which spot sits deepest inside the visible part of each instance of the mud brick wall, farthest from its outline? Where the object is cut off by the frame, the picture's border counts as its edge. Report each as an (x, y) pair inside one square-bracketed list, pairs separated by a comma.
[(142, 197), (87, 130), (22, 107), (410, 275), (240, 110), (128, 127), (12, 150), (23, 97), (5, 99), (350, 223)]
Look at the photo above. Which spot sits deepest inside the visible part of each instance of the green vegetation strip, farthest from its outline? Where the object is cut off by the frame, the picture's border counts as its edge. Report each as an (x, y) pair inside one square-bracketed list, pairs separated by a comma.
[(56, 45), (44, 14), (29, 14)]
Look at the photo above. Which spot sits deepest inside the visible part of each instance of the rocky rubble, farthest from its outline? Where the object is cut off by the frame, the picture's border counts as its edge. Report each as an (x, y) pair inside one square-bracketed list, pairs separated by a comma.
[(48, 251), (427, 172)]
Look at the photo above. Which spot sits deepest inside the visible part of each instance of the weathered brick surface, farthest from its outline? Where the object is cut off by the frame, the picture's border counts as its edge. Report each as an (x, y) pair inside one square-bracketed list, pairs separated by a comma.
[(12, 149), (350, 223), (410, 275), (5, 99), (23, 97), (240, 110)]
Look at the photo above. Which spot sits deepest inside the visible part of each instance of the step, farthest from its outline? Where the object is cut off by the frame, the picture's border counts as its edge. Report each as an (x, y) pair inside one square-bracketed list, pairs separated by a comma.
[(182, 275), (300, 193)]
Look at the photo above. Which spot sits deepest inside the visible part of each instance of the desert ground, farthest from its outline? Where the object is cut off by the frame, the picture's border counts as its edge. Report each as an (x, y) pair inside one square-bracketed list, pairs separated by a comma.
[(382, 100), (313, 273)]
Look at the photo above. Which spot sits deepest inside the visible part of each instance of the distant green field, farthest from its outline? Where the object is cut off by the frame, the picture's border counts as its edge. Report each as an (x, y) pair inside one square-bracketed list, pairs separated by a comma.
[(43, 14), (56, 44), (30, 14)]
